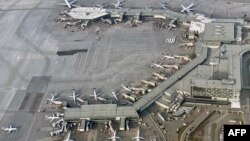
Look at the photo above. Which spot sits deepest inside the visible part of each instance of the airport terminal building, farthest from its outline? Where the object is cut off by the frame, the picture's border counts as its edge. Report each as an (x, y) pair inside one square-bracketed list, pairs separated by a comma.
[(220, 77)]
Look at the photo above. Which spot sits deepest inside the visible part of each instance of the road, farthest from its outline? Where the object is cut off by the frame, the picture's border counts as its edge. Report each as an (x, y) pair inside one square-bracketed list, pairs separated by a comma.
[(196, 123)]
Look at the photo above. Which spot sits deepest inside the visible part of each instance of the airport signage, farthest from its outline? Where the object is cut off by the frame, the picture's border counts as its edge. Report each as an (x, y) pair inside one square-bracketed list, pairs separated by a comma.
[(235, 132)]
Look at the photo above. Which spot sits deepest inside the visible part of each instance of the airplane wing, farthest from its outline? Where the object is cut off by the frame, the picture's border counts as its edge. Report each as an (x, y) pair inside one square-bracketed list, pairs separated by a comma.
[(122, 4), (67, 3), (183, 7), (56, 98), (67, 138), (111, 138), (8, 131), (117, 94), (72, 2), (189, 10), (190, 6)]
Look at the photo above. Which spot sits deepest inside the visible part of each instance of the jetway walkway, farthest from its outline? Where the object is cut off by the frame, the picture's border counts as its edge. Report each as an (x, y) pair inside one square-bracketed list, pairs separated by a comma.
[(151, 97)]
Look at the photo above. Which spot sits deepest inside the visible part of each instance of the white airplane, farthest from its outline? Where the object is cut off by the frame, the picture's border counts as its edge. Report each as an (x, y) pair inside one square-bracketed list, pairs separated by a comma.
[(51, 118), (95, 95), (126, 88), (114, 137), (157, 66), (213, 63), (101, 99), (110, 125), (9, 129), (115, 95), (185, 58), (163, 5), (138, 138), (187, 9), (148, 9), (168, 57), (54, 100), (172, 24), (119, 4), (56, 132), (171, 66), (129, 103), (54, 124), (67, 138), (74, 95), (104, 5), (70, 4), (159, 76)]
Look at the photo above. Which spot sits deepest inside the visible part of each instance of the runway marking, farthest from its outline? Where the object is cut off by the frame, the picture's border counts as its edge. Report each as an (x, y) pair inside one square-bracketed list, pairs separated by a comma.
[(108, 53), (32, 125)]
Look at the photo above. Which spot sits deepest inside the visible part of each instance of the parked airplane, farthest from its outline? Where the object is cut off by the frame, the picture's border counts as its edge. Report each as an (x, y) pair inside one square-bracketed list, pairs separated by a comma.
[(126, 88), (159, 76), (51, 118), (163, 5), (168, 57), (138, 138), (213, 63), (95, 95), (188, 8), (54, 100), (172, 24), (68, 136), (9, 129), (129, 103), (57, 123), (70, 4), (157, 65), (74, 95), (104, 5), (119, 4), (56, 132), (114, 137), (110, 126), (127, 125), (102, 99), (115, 95), (185, 58), (148, 9), (171, 66)]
